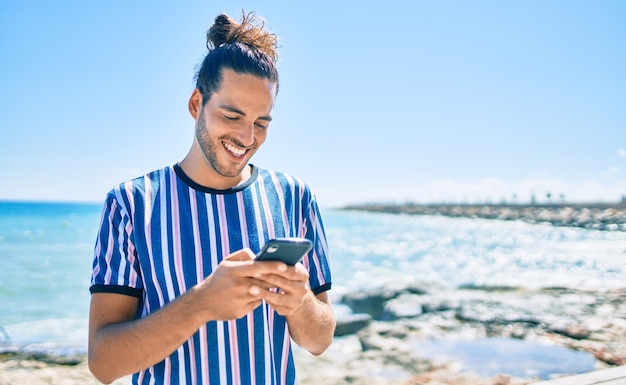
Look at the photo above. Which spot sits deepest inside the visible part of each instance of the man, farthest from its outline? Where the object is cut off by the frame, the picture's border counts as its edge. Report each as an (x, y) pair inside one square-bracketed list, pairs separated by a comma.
[(177, 297)]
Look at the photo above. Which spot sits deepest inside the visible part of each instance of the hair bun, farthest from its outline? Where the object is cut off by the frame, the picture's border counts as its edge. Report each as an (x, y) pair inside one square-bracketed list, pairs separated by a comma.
[(249, 32), (220, 31)]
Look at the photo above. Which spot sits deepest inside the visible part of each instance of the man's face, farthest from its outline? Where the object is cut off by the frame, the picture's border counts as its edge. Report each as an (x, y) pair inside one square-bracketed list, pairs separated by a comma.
[(233, 124)]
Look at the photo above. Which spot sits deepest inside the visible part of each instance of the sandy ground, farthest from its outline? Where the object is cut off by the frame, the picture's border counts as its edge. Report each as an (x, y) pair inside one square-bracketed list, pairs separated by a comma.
[(312, 370), (15, 371)]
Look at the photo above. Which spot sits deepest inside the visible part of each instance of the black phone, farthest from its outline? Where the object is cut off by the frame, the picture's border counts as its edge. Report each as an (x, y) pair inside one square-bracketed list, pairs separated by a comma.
[(287, 250)]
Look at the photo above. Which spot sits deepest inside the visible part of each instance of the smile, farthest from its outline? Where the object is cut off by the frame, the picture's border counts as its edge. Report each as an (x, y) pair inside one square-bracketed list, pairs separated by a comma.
[(234, 150)]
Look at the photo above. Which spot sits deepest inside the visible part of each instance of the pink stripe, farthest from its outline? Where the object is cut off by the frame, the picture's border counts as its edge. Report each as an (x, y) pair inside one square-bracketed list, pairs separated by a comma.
[(151, 259), (199, 277), (204, 352), (109, 256), (302, 223), (212, 234), (234, 354), (167, 372), (98, 248), (177, 246), (147, 228), (285, 356), (128, 186), (130, 254), (281, 198), (168, 362), (221, 212), (316, 260), (270, 325), (268, 213), (251, 349)]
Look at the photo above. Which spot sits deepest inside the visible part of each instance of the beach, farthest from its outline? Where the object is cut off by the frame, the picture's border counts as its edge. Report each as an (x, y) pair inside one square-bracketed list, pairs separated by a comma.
[(419, 299)]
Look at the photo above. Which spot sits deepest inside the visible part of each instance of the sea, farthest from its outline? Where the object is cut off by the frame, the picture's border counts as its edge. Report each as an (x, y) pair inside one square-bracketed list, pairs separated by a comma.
[(46, 257)]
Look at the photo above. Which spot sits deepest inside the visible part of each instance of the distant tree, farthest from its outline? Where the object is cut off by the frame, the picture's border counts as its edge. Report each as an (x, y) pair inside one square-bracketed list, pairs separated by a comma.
[(533, 199), (548, 195), (562, 196)]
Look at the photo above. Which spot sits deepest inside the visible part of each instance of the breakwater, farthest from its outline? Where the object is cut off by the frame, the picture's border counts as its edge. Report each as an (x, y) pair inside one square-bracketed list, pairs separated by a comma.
[(597, 216)]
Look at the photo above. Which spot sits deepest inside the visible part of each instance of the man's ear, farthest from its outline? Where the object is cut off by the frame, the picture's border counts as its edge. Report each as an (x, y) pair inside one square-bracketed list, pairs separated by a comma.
[(195, 104)]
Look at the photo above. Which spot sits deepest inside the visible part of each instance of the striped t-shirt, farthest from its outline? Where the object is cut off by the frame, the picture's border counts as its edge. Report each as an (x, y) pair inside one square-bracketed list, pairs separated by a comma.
[(161, 234)]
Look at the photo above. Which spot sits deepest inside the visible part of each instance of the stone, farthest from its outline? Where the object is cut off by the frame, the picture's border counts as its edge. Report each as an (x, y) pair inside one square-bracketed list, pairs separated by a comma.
[(351, 323)]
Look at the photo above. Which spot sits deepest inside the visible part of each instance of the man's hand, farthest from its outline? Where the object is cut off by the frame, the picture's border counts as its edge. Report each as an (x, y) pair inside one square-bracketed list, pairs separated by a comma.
[(237, 286), (292, 287)]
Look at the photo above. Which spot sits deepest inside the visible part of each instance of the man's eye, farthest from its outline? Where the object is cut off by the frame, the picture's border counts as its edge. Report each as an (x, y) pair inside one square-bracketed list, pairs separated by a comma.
[(231, 118), (263, 126)]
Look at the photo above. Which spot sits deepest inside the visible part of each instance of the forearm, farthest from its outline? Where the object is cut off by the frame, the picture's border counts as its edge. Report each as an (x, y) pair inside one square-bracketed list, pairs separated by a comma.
[(122, 348), (312, 326)]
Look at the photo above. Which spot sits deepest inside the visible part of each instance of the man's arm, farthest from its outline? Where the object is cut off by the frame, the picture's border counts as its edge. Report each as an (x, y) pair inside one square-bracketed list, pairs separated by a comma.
[(312, 326), (120, 345)]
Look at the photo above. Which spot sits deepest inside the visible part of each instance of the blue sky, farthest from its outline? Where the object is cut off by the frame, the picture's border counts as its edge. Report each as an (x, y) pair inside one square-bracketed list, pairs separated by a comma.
[(386, 101)]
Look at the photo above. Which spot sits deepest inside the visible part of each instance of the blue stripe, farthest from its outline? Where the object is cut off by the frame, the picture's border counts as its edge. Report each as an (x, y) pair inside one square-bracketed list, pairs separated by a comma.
[(233, 221), (187, 364), (279, 342), (203, 229), (243, 347), (253, 229), (213, 358), (188, 246), (259, 343), (218, 229)]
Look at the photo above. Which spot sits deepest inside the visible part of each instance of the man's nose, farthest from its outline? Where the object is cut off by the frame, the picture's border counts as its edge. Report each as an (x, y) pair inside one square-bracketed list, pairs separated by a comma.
[(246, 134)]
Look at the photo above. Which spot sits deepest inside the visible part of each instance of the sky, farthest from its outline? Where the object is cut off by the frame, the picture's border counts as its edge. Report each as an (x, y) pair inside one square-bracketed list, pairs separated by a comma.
[(379, 102)]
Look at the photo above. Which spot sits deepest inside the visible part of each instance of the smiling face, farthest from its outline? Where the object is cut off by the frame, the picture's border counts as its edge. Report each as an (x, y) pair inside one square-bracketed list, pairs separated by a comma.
[(230, 128)]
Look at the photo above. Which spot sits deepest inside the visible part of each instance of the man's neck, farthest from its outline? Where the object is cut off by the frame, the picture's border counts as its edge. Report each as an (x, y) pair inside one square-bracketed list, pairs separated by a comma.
[(205, 176)]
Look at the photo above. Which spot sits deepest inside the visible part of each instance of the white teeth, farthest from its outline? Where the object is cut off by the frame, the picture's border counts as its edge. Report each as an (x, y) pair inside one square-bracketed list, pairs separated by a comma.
[(236, 151)]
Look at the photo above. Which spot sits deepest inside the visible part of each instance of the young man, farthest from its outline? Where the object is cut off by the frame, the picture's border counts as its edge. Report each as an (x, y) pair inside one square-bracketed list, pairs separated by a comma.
[(177, 297)]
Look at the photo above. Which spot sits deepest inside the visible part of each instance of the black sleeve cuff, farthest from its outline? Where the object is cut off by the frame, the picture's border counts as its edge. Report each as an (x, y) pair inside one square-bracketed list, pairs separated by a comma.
[(321, 289), (130, 291)]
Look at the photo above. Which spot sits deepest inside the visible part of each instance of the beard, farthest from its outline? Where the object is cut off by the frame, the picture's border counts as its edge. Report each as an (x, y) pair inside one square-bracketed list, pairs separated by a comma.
[(209, 147)]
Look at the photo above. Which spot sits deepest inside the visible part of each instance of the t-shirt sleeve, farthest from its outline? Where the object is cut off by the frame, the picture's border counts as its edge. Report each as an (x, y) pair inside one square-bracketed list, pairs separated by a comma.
[(318, 258), (115, 262)]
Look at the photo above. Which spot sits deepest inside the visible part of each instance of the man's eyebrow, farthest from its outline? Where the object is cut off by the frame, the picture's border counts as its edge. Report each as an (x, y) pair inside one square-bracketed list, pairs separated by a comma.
[(238, 111)]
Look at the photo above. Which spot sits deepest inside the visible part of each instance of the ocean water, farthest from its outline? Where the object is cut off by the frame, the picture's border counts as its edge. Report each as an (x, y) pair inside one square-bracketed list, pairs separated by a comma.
[(46, 251)]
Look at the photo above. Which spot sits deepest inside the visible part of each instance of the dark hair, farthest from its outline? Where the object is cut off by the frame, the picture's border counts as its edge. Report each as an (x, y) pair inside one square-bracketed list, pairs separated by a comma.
[(246, 48)]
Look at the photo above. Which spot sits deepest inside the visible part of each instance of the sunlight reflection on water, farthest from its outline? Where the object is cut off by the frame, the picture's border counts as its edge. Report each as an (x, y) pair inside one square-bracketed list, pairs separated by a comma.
[(524, 359)]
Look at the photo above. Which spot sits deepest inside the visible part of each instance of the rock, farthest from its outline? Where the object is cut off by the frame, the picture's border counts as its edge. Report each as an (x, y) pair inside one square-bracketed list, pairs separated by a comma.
[(598, 216), (572, 331), (351, 323), (494, 312), (404, 306), (371, 301)]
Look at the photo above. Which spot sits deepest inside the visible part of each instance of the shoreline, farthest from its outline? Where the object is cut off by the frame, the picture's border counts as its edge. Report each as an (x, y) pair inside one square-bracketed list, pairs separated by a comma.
[(593, 216)]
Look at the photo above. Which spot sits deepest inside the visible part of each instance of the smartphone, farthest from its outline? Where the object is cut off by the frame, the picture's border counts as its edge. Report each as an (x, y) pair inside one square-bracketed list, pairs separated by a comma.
[(287, 250)]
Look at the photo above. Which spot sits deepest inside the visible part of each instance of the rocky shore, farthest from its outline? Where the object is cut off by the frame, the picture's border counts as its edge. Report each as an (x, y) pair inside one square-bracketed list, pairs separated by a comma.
[(422, 335), (597, 216), (478, 335)]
